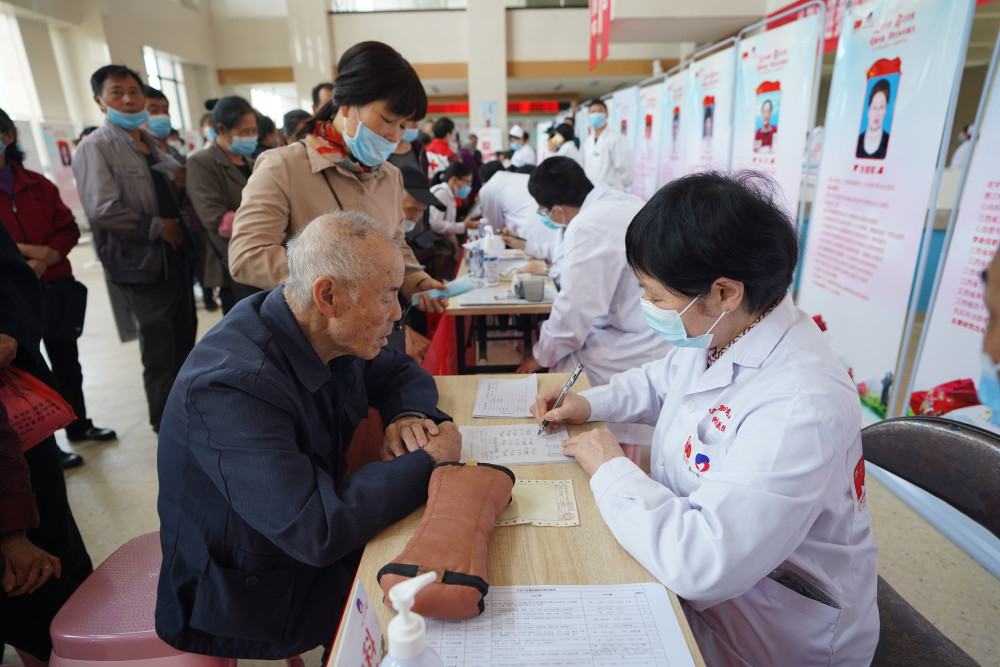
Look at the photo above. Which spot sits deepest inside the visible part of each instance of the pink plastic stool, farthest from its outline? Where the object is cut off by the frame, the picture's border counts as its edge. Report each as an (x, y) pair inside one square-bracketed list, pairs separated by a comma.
[(109, 619)]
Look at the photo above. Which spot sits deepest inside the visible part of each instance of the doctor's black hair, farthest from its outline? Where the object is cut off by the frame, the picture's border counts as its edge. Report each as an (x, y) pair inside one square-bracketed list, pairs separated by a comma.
[(369, 72), (559, 181), (706, 226), (153, 93), (455, 169)]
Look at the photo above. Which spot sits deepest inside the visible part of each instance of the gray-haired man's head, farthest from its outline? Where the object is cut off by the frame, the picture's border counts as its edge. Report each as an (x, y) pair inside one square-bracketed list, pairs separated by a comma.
[(345, 271)]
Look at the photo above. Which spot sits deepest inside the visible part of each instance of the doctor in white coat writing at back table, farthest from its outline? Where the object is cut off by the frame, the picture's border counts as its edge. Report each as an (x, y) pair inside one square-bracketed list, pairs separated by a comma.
[(755, 510), (596, 319)]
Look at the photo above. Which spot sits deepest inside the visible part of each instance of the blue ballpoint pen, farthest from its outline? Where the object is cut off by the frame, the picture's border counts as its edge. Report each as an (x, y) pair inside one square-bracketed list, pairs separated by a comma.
[(569, 383)]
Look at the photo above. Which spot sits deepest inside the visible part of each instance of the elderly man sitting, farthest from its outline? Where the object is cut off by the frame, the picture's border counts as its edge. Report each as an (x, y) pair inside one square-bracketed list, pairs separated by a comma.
[(261, 531)]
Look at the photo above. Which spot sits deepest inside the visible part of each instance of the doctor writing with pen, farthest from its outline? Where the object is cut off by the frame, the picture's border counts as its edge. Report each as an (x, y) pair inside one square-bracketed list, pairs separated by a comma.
[(755, 511)]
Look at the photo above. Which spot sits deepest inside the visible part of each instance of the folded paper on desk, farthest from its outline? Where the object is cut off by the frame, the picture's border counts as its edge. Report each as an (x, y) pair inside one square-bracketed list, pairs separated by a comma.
[(454, 288), (509, 399), (541, 502), (513, 444), (502, 296)]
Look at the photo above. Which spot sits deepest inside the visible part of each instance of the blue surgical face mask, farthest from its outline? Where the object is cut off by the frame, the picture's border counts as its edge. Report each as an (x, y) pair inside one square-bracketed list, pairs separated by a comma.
[(367, 146), (463, 191), (547, 221), (211, 134), (989, 388), (597, 120), (411, 134), (669, 325), (159, 126), (128, 121), (244, 146)]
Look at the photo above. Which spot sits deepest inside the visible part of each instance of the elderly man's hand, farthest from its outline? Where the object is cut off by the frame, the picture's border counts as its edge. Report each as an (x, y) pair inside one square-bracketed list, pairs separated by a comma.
[(406, 434), (426, 302), (446, 445)]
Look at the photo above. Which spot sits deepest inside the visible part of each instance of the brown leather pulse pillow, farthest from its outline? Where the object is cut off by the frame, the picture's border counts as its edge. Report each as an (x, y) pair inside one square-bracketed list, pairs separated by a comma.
[(463, 504)]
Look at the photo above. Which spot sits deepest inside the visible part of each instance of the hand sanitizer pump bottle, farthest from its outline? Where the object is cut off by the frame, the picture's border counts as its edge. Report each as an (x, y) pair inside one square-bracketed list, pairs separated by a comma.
[(408, 632)]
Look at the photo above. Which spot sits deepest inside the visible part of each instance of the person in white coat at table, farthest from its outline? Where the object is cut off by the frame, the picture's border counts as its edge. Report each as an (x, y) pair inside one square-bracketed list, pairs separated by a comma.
[(607, 157), (511, 211), (596, 318), (524, 154), (755, 511)]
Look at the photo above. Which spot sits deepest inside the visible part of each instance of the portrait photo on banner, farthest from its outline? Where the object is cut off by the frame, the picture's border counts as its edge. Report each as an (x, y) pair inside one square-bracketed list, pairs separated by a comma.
[(876, 116), (766, 121)]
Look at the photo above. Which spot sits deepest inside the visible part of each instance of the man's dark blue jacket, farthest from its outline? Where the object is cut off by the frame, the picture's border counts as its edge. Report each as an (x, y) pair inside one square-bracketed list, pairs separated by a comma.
[(261, 533)]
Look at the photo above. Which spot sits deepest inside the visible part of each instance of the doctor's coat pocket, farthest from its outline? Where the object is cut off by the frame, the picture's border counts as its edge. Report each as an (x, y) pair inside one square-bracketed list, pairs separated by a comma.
[(243, 604)]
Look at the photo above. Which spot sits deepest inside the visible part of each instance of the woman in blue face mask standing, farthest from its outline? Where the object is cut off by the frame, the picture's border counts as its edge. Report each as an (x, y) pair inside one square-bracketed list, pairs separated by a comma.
[(215, 182), (339, 164), (754, 511)]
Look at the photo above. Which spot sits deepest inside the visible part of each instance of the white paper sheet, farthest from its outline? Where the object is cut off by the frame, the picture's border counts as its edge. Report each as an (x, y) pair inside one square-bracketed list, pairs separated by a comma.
[(619, 625), (517, 444), (505, 398)]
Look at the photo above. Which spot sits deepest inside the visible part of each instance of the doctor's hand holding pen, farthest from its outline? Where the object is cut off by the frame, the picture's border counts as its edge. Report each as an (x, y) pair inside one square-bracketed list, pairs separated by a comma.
[(574, 409), (512, 240), (590, 449)]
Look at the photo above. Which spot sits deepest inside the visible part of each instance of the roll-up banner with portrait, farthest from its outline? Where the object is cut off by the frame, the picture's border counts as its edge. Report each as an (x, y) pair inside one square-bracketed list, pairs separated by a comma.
[(674, 114), (892, 92), (58, 144), (624, 113), (774, 87), (710, 111), (647, 154), (948, 368)]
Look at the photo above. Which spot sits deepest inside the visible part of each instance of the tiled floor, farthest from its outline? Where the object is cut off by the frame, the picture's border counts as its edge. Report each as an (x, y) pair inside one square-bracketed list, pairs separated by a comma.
[(114, 494)]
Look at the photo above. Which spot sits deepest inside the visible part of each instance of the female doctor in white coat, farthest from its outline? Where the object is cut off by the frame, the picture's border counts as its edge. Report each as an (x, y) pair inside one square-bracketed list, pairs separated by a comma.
[(755, 510)]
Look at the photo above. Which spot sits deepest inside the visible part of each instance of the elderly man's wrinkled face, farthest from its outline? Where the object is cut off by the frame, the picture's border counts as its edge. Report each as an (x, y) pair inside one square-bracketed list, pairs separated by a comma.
[(370, 319)]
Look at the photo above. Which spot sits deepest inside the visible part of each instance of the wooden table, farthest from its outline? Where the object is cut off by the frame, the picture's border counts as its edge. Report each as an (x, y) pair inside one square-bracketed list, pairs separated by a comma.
[(526, 555), (478, 326)]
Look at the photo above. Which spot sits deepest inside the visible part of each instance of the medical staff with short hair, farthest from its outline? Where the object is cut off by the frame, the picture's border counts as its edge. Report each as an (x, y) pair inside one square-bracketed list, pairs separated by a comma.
[(607, 157), (754, 511)]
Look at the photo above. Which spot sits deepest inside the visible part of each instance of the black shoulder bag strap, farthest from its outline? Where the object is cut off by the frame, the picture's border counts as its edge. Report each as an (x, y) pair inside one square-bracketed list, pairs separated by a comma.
[(326, 177)]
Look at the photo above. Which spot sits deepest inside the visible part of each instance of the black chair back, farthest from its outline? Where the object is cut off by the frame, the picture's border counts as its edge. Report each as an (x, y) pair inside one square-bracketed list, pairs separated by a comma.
[(957, 463)]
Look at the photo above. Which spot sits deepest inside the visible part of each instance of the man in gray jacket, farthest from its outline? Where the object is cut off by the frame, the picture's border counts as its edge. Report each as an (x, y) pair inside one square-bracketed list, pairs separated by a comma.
[(129, 191)]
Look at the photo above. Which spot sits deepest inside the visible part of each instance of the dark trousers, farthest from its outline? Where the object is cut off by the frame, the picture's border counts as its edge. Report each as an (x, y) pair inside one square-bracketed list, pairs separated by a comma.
[(167, 327), (64, 357), (25, 619)]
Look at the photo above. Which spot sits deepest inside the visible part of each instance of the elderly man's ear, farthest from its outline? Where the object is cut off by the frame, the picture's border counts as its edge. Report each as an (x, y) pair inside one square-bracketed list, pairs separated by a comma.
[(330, 297)]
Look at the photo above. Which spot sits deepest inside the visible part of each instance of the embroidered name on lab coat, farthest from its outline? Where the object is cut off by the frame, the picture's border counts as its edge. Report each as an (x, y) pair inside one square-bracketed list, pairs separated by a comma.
[(718, 414)]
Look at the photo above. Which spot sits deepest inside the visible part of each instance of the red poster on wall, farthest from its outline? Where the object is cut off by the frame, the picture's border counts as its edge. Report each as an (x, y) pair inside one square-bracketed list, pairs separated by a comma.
[(600, 30)]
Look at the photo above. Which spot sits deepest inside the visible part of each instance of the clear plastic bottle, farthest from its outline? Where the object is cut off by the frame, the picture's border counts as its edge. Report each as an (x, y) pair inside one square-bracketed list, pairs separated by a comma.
[(407, 633), (492, 247)]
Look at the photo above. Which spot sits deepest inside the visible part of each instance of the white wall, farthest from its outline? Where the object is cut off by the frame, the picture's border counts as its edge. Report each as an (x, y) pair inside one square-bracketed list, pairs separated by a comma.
[(251, 42), (166, 26), (562, 34), (422, 37)]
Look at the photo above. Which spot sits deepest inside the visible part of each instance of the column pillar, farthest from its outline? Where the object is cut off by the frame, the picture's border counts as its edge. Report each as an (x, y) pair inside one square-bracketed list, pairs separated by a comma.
[(309, 41), (487, 35)]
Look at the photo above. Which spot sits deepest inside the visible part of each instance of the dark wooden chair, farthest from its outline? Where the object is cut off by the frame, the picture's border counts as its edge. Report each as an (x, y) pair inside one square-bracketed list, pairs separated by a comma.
[(959, 464)]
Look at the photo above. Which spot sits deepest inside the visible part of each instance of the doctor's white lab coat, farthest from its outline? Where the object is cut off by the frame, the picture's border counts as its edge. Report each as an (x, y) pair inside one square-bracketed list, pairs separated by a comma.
[(608, 160), (507, 203), (596, 317), (523, 156), (756, 466)]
